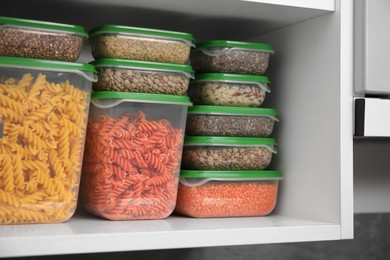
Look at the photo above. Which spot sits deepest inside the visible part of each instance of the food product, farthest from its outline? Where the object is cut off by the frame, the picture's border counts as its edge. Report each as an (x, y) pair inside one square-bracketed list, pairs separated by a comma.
[(131, 167), (146, 77), (231, 57), (227, 153), (230, 121), (41, 149), (40, 40), (228, 90), (206, 194), (113, 41), (133, 154)]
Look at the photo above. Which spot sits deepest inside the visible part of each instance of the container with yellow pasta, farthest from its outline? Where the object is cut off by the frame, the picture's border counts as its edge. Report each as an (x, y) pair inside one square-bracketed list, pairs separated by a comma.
[(43, 113)]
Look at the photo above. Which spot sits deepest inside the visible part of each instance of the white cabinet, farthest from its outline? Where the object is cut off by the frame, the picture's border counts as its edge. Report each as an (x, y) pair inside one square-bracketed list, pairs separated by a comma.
[(371, 49), (372, 89), (311, 74)]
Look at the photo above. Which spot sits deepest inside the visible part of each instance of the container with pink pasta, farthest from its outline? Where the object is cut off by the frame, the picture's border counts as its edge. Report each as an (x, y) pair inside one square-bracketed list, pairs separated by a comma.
[(133, 154), (43, 113)]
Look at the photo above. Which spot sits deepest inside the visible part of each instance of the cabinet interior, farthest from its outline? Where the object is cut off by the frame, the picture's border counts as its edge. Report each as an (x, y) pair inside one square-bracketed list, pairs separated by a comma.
[(305, 89)]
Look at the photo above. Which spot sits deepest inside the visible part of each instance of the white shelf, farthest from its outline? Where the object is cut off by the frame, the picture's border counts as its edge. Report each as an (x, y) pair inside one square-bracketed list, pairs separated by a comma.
[(205, 5), (83, 234), (224, 19), (311, 75)]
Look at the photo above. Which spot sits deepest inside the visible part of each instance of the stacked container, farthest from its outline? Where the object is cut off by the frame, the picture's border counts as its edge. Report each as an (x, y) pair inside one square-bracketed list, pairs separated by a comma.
[(44, 104), (228, 148), (132, 59), (137, 122)]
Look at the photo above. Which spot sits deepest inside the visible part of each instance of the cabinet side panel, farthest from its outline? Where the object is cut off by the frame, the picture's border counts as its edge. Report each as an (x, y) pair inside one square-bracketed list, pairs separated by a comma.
[(345, 10)]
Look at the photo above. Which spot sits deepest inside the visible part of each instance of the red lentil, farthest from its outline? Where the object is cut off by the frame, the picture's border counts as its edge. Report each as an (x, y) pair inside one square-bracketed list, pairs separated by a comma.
[(227, 199)]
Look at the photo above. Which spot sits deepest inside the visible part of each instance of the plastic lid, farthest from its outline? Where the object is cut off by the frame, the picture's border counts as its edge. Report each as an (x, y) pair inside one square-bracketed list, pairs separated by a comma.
[(44, 25), (231, 174), (137, 30), (49, 65), (234, 44), (142, 64), (142, 97), (217, 140), (228, 110), (229, 77)]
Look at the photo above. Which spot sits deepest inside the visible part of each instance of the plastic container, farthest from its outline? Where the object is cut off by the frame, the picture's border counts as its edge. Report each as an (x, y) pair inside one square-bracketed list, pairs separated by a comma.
[(134, 43), (230, 121), (133, 154), (231, 57), (44, 110), (211, 194), (142, 76), (227, 153), (40, 40), (220, 89)]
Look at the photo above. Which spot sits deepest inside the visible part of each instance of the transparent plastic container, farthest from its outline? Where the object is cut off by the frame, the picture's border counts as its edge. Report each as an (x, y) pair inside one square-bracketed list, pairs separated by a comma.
[(142, 76), (220, 89), (43, 113), (227, 153), (40, 40), (234, 57), (134, 43), (213, 194), (133, 154), (230, 121)]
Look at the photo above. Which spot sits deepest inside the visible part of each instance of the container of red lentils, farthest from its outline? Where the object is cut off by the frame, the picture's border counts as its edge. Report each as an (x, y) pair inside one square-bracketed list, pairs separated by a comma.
[(206, 194)]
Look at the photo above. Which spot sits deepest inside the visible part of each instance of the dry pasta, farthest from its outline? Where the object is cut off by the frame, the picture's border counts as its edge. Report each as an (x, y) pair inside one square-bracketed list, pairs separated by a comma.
[(131, 167), (41, 149)]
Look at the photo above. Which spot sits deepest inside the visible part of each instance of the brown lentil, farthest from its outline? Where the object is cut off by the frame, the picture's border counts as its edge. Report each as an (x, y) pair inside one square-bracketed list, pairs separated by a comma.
[(38, 45), (236, 61), (227, 199), (226, 158), (229, 125), (226, 94), (130, 80), (138, 48)]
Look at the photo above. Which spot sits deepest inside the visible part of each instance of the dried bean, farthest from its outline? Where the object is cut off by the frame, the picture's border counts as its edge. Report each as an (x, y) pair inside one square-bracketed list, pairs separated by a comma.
[(128, 80), (236, 61), (137, 48), (226, 94), (35, 44), (227, 199), (228, 125), (226, 158)]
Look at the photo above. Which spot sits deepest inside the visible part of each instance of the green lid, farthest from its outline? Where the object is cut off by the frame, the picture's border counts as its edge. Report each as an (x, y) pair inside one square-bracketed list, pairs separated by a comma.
[(44, 25), (47, 64), (231, 174), (229, 77), (141, 31), (228, 110), (142, 97), (107, 62), (234, 44), (217, 140)]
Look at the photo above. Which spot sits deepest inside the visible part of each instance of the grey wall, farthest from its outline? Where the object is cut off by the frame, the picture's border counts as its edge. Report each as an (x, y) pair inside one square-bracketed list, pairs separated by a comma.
[(372, 242)]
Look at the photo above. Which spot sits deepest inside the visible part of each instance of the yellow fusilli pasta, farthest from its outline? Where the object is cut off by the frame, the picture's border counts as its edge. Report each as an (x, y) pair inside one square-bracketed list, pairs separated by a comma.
[(41, 149)]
